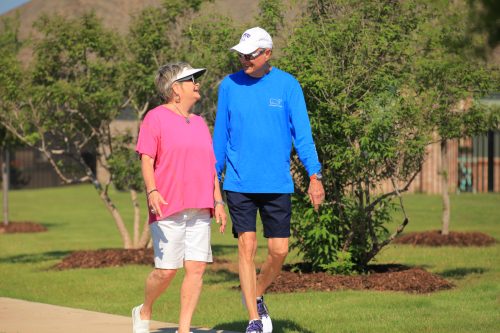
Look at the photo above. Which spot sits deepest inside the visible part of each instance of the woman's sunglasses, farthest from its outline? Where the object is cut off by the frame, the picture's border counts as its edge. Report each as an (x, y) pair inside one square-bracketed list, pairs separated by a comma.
[(187, 79)]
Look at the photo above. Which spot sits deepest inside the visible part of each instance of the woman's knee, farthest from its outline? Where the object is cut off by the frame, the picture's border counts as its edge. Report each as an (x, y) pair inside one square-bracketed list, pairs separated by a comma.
[(164, 274), (195, 269)]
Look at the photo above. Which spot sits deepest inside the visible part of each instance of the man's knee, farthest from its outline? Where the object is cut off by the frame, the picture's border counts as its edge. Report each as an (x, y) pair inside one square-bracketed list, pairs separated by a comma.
[(278, 248), (278, 253), (247, 245)]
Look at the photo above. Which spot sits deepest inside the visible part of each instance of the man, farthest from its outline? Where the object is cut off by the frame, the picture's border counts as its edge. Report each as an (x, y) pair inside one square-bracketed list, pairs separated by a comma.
[(260, 112)]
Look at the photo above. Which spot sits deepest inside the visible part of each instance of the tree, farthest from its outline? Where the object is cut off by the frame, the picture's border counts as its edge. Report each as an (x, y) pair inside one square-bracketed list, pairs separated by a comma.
[(372, 118), (9, 77), (270, 16), (65, 103), (207, 42), (484, 17), (154, 39), (452, 77)]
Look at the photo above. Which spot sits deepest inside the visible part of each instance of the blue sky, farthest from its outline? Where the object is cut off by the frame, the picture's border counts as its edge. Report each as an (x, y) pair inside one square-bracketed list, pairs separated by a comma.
[(6, 5)]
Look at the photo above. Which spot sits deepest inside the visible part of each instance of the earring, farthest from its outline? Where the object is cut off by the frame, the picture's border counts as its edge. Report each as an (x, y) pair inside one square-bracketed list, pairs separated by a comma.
[(177, 99)]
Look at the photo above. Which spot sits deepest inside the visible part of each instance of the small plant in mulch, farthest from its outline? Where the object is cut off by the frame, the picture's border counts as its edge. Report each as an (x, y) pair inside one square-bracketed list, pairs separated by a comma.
[(435, 238), (21, 227)]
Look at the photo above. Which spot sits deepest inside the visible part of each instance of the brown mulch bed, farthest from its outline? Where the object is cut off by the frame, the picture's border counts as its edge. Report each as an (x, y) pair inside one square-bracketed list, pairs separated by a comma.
[(17, 227), (381, 277), (106, 258), (113, 258), (435, 238)]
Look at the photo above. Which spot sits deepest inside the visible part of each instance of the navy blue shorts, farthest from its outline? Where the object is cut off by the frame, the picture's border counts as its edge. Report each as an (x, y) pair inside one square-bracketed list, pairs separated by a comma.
[(275, 211)]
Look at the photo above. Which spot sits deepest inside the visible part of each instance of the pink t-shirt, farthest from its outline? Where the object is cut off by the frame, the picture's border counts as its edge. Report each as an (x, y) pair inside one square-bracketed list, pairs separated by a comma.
[(184, 161)]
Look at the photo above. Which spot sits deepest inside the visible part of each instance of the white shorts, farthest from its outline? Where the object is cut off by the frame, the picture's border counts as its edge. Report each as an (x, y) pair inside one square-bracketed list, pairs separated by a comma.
[(182, 236)]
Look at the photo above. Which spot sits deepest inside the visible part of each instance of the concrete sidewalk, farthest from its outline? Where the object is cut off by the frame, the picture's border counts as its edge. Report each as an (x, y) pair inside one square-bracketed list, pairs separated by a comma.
[(18, 316)]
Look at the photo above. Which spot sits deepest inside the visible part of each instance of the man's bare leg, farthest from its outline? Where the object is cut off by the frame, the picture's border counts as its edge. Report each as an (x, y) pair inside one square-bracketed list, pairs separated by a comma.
[(247, 247), (277, 252)]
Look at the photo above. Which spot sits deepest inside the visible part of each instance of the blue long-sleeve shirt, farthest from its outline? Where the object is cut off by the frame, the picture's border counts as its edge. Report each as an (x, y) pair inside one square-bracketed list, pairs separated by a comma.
[(257, 121)]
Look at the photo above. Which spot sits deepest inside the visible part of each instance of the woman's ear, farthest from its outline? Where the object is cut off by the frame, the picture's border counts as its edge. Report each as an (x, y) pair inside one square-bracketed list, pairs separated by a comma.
[(176, 89)]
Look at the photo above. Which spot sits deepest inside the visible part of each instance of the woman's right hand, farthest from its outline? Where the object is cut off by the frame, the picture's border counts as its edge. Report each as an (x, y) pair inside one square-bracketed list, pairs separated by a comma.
[(155, 201)]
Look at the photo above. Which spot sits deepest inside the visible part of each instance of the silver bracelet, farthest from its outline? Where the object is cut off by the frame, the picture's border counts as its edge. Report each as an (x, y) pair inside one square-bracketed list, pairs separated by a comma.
[(219, 202)]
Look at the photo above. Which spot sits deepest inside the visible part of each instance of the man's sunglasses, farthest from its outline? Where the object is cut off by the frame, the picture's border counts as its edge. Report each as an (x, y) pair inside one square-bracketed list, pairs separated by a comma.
[(187, 79), (251, 56)]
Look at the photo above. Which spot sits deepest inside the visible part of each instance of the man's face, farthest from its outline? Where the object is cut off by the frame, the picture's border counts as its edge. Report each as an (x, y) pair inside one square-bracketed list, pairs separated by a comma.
[(255, 64)]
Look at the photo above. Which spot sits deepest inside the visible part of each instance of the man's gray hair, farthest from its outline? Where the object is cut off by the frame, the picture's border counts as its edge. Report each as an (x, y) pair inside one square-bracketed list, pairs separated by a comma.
[(165, 78)]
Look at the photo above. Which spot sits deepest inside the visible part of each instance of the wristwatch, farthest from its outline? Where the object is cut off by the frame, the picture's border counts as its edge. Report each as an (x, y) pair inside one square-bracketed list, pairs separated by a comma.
[(317, 176)]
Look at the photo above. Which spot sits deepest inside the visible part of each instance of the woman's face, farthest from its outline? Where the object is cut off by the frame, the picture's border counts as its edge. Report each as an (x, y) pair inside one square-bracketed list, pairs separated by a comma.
[(189, 89)]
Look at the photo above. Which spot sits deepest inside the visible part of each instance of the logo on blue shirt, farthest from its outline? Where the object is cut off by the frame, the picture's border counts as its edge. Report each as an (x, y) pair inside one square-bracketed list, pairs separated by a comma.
[(275, 102)]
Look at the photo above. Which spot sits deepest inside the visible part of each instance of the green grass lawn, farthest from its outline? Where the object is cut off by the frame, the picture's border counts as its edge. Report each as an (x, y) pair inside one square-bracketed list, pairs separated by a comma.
[(76, 220)]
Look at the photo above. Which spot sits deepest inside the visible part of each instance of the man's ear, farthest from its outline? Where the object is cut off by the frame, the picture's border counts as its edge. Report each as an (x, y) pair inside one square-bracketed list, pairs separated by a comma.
[(268, 54)]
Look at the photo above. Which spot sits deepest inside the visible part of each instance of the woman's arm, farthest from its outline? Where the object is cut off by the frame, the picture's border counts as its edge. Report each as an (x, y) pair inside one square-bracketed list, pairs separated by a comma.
[(219, 206), (155, 200)]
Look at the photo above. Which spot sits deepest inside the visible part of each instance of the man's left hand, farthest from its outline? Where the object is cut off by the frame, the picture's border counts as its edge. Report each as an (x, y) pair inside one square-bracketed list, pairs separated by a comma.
[(316, 193)]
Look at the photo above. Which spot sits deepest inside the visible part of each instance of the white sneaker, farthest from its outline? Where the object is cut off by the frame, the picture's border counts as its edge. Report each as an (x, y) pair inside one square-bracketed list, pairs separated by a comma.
[(267, 324), (139, 325)]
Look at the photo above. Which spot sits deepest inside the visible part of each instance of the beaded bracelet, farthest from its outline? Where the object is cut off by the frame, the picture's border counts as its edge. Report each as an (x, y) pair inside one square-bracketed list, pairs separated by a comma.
[(153, 190)]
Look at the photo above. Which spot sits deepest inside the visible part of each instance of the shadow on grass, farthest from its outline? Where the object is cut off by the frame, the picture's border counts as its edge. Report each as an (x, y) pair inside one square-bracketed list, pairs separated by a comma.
[(34, 258), (50, 225), (174, 330), (221, 250), (219, 276), (279, 326), (460, 273)]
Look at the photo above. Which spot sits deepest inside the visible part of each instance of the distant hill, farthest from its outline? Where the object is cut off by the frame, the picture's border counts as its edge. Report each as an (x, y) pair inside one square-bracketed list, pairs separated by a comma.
[(116, 14)]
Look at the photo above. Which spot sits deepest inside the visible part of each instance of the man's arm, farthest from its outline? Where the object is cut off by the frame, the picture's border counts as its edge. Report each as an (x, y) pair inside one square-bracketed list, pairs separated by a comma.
[(221, 131), (304, 145)]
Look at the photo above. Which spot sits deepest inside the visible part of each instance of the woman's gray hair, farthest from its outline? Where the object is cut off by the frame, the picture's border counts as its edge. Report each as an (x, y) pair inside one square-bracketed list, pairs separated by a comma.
[(165, 78)]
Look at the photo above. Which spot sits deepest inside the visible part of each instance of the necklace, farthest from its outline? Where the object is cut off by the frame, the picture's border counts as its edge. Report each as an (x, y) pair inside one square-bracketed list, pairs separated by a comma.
[(188, 121)]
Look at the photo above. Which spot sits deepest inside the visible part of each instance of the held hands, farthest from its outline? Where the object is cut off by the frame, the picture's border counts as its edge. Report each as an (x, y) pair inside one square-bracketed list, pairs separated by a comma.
[(316, 192), (155, 201)]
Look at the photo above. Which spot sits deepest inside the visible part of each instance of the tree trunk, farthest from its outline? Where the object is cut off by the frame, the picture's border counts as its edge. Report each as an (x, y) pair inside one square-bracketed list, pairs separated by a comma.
[(140, 239), (444, 188), (127, 242), (137, 216), (5, 185), (145, 237)]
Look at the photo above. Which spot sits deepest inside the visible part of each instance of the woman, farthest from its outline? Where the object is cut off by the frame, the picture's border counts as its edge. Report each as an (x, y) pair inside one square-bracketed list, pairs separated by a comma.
[(178, 166)]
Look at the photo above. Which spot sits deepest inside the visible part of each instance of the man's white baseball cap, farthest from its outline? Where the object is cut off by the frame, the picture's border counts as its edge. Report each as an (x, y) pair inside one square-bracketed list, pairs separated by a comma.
[(253, 39)]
